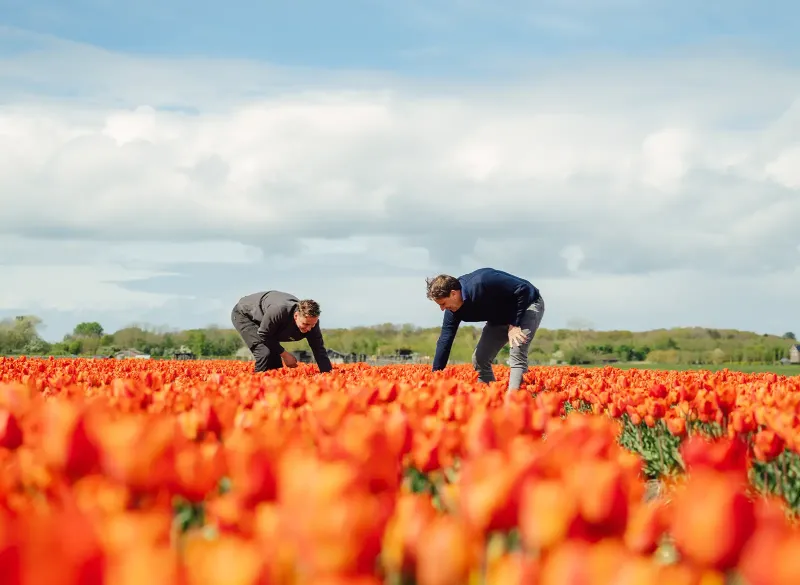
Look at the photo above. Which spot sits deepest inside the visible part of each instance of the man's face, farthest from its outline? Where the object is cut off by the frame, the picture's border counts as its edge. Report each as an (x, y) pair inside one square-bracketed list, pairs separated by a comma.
[(451, 302), (305, 324)]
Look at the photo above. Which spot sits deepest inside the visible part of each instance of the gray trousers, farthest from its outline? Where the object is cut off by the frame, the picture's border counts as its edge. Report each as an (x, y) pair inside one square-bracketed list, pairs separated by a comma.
[(248, 330), (495, 337)]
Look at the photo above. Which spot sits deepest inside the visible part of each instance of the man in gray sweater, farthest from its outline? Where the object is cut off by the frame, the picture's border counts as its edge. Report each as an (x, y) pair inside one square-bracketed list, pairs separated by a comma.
[(265, 319)]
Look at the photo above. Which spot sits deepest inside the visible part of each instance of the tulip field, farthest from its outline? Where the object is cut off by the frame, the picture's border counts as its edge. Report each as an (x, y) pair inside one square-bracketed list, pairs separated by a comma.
[(204, 473)]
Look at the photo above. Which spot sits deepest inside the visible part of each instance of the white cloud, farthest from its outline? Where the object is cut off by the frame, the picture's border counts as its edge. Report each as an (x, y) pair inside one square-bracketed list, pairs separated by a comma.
[(680, 298), (149, 254), (665, 158), (785, 169), (635, 175), (77, 287), (574, 257)]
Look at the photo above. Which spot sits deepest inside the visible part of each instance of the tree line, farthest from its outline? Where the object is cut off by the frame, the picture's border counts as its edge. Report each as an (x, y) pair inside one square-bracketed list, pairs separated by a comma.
[(694, 345)]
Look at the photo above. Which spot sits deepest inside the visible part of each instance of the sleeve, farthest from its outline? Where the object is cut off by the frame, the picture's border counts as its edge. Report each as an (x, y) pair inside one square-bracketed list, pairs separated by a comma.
[(450, 325), (522, 298), (274, 318), (317, 345)]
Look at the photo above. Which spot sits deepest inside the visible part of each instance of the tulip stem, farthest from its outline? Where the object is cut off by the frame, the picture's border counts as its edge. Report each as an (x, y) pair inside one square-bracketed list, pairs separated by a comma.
[(779, 484)]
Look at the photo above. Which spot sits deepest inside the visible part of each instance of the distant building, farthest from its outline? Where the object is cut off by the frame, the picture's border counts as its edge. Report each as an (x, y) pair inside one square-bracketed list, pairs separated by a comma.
[(184, 352), (794, 354), (131, 354), (400, 356), (304, 356), (337, 357)]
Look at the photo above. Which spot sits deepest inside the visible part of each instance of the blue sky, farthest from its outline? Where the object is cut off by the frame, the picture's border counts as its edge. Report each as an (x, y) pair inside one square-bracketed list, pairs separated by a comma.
[(637, 160), (439, 36)]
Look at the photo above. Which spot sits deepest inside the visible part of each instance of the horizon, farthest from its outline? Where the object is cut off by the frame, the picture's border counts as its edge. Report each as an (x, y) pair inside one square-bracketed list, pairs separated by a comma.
[(160, 162), (166, 329)]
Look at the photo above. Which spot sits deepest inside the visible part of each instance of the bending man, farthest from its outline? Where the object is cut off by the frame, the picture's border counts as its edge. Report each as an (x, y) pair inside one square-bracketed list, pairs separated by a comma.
[(512, 308), (265, 319)]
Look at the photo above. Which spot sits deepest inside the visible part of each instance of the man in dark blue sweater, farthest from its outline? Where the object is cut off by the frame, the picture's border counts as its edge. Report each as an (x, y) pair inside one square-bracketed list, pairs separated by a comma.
[(511, 307)]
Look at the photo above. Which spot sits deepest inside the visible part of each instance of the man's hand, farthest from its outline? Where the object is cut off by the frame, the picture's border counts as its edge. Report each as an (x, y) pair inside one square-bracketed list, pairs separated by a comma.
[(289, 360), (516, 336)]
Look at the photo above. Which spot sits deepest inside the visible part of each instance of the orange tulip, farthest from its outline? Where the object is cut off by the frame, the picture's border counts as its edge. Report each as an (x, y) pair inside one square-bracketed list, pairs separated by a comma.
[(605, 505), (514, 569), (10, 431), (645, 527), (10, 550), (445, 553), (142, 563), (412, 515), (198, 470), (227, 560), (487, 495), (548, 514), (567, 565), (767, 445), (712, 519)]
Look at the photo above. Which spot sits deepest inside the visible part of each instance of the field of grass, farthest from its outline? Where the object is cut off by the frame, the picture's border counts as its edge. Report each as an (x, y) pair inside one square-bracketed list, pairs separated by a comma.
[(781, 370)]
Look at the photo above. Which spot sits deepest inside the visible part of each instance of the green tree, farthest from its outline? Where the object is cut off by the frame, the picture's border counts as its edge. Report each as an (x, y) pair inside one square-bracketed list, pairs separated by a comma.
[(89, 336), (717, 356), (20, 335), (198, 342), (666, 343), (36, 346), (88, 329)]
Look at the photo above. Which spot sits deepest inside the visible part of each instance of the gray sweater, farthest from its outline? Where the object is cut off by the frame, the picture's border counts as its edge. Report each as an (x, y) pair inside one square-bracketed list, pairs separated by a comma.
[(274, 312)]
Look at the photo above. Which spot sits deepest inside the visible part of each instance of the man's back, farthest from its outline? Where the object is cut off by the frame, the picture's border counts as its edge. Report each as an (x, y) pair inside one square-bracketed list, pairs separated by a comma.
[(255, 305), (493, 295)]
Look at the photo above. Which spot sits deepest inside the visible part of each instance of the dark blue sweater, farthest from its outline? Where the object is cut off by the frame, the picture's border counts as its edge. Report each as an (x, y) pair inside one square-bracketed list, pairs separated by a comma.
[(489, 295)]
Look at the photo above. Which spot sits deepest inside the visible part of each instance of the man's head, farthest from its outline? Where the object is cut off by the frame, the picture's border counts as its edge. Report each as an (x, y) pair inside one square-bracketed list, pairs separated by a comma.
[(445, 291), (306, 315)]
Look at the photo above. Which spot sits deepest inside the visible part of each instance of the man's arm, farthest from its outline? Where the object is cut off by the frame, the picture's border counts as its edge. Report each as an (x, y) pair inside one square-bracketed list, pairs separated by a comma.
[(274, 319), (450, 325), (317, 345), (523, 295)]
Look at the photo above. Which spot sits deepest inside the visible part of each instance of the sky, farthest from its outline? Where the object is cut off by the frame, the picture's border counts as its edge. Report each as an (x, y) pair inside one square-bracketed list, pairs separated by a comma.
[(636, 160)]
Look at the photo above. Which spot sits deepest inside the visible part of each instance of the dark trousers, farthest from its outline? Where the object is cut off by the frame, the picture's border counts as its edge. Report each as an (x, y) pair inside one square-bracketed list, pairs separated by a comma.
[(248, 330), (494, 337)]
